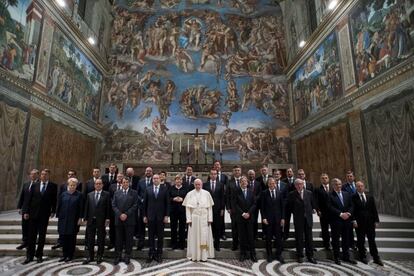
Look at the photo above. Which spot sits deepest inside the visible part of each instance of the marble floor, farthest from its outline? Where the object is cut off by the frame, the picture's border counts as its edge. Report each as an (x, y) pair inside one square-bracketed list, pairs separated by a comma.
[(12, 266)]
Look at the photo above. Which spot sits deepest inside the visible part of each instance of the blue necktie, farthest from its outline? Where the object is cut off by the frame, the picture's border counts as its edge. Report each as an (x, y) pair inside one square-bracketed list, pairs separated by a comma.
[(245, 194), (352, 187), (43, 188), (341, 198), (156, 192)]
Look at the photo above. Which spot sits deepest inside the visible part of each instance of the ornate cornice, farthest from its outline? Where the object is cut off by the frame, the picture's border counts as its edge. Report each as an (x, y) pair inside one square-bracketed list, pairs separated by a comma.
[(325, 28), (72, 31), (384, 85), (21, 91)]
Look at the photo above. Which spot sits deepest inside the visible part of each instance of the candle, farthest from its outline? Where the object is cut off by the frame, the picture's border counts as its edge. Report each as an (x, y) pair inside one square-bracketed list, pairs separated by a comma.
[(213, 145), (221, 149), (172, 145), (180, 143), (188, 145), (205, 145)]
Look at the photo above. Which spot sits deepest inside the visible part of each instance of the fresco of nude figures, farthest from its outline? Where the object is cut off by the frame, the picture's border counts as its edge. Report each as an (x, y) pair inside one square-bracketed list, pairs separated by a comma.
[(383, 35), (318, 82), (197, 77)]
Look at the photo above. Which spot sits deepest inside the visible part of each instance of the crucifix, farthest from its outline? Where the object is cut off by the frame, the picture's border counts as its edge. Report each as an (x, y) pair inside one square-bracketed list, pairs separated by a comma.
[(197, 144)]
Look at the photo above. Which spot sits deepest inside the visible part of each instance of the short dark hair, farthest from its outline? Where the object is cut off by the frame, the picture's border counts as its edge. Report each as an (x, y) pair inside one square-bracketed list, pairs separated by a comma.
[(74, 172)]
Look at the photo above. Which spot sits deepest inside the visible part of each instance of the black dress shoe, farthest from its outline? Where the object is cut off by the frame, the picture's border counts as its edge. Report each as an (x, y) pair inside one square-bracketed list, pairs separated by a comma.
[(68, 259), (99, 260), (269, 259), (253, 258), (217, 248), (337, 261), (312, 260), (109, 247), (158, 259), (56, 246), (351, 261), (300, 260), (280, 259), (149, 260), (234, 248), (39, 260), (224, 237), (241, 258), (117, 261), (28, 260), (22, 246), (62, 259), (87, 261), (363, 260), (127, 260), (378, 262)]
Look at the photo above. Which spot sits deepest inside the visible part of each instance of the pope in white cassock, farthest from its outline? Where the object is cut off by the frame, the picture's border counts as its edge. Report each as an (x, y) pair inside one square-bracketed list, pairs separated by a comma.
[(199, 212)]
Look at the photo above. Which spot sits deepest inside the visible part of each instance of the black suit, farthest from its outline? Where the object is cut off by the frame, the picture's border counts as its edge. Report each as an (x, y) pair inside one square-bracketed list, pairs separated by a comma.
[(125, 204), (340, 228), (290, 187), (233, 189), (112, 235), (322, 201), (218, 207), (143, 184), (366, 216), (302, 219), (133, 182), (273, 211), (177, 217), (223, 178), (95, 214), (107, 181), (188, 182), (156, 207), (242, 203), (263, 181), (90, 187), (39, 206), (290, 182), (24, 194), (256, 187)]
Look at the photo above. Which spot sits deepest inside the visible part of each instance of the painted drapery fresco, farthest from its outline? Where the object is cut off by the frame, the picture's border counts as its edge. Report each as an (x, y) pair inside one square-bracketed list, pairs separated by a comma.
[(383, 36), (20, 24), (197, 77), (317, 83), (72, 78)]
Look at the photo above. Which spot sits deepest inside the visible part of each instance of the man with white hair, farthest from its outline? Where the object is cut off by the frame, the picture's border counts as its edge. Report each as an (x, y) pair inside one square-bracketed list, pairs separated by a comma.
[(199, 213)]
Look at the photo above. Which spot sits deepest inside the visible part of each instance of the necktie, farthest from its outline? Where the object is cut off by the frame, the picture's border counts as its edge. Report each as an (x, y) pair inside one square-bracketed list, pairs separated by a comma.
[(353, 187), (265, 179), (30, 186), (341, 198), (278, 186), (119, 187), (188, 180), (326, 188), (125, 192), (301, 194), (213, 186), (43, 188), (363, 199), (245, 193), (110, 178), (219, 177), (273, 194), (237, 182), (96, 198), (156, 192)]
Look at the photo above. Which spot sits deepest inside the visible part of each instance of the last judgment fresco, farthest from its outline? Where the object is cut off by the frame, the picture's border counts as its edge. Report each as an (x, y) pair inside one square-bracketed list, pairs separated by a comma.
[(197, 80)]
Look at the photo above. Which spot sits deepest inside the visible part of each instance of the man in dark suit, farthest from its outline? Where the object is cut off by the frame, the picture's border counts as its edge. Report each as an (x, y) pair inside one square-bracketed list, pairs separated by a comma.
[(143, 184), (188, 179), (256, 187), (244, 205), (109, 178), (300, 203), (290, 181), (24, 194), (156, 212), (322, 200), (97, 215), (216, 190), (90, 184), (221, 177), (341, 210), (306, 184), (273, 205), (133, 179), (233, 188), (263, 177), (177, 213), (163, 180), (124, 204), (112, 190), (39, 206), (366, 220), (350, 188)]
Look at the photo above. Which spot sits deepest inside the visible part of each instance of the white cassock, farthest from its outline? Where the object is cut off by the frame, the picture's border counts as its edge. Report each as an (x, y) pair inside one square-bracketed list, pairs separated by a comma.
[(199, 211)]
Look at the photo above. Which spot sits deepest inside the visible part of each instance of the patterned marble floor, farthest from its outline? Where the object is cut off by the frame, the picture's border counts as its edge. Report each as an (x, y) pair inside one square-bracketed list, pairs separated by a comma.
[(12, 266)]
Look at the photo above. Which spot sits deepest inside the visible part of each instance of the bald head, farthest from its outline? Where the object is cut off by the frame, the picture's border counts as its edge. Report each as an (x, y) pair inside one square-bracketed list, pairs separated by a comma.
[(198, 184)]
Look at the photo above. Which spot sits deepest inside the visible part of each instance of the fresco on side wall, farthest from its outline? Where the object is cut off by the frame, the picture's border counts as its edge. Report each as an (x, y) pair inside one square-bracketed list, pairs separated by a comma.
[(317, 83), (20, 24), (197, 78), (72, 78), (383, 36)]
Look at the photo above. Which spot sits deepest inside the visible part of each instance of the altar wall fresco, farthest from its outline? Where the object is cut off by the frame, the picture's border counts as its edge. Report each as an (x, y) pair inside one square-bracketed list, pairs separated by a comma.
[(182, 66)]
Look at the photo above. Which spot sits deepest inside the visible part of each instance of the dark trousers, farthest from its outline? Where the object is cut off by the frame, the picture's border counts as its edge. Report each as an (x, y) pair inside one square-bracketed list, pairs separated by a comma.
[(37, 231), (178, 221), (68, 245), (25, 230), (155, 230), (369, 232), (286, 228), (112, 231), (124, 239), (94, 230), (140, 229), (216, 228), (340, 230), (325, 230), (223, 226), (255, 223), (245, 227), (274, 231), (234, 230), (304, 239)]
